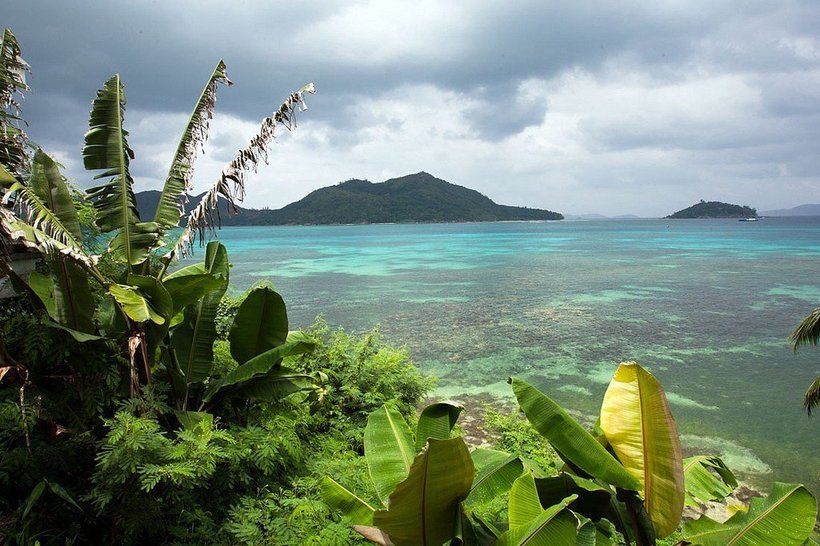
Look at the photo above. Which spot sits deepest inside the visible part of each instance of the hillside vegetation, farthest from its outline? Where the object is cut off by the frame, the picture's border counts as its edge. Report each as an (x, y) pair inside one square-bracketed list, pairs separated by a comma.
[(715, 209), (415, 198)]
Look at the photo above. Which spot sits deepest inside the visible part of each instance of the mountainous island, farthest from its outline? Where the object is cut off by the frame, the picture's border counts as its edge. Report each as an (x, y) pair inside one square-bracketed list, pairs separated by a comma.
[(415, 198), (715, 209)]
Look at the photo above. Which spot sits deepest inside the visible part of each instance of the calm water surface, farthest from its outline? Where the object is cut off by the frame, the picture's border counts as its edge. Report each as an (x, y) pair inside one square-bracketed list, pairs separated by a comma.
[(706, 305)]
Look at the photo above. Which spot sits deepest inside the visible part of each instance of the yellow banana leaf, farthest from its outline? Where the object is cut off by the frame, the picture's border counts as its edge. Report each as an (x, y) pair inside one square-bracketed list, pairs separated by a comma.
[(638, 424)]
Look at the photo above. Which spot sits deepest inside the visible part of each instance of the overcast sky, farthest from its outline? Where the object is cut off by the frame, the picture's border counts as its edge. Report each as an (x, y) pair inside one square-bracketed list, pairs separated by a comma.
[(579, 107)]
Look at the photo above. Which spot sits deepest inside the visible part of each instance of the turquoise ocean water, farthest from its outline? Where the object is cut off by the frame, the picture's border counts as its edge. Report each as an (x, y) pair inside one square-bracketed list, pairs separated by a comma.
[(706, 305)]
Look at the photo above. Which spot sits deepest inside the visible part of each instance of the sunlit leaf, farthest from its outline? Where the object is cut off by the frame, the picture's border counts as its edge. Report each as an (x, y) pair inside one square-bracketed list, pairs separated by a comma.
[(638, 425)]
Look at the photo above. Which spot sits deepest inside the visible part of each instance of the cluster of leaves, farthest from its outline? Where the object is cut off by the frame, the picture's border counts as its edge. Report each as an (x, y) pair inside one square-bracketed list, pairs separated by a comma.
[(623, 482), (251, 476), (358, 374)]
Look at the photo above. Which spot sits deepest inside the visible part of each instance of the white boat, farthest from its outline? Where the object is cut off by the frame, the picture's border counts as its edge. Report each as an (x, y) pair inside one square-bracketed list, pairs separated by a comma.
[(747, 219)]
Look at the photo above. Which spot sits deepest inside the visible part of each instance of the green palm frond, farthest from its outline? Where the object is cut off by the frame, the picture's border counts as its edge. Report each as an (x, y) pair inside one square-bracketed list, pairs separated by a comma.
[(178, 181), (12, 84), (231, 183), (808, 331), (106, 147), (811, 399)]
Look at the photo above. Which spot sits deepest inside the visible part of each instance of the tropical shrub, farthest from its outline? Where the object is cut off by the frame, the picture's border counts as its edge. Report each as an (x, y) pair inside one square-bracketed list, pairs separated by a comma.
[(357, 374)]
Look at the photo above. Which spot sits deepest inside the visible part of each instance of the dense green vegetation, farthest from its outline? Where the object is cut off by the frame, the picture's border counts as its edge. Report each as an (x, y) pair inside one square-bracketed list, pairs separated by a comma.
[(715, 209), (142, 405), (418, 197)]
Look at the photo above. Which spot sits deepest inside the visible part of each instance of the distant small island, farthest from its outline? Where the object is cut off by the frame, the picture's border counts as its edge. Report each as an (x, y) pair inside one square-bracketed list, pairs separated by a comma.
[(415, 198), (715, 209)]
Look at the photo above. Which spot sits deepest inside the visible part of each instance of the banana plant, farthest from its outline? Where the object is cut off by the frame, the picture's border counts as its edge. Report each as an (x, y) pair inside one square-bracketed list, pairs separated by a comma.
[(426, 483), (163, 320), (634, 471)]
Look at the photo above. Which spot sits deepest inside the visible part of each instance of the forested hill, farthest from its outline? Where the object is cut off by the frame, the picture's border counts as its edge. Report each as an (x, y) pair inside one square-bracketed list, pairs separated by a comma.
[(413, 198), (715, 209)]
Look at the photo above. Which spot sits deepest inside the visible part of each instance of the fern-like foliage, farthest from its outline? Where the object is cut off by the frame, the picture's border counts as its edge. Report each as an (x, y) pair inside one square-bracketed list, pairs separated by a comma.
[(178, 182), (231, 183), (12, 84)]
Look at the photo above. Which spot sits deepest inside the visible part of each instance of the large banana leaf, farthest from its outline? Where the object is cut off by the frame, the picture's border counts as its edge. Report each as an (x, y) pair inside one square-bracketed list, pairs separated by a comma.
[(524, 505), (555, 526), (48, 184), (178, 181), (424, 508), (261, 365), (43, 288), (231, 183), (436, 421), (66, 295), (270, 387), (353, 508), (388, 448), (135, 305), (786, 517), (707, 478), (570, 438), (638, 424), (261, 324), (106, 148), (156, 294), (193, 339), (74, 303), (6, 177), (190, 289), (496, 472)]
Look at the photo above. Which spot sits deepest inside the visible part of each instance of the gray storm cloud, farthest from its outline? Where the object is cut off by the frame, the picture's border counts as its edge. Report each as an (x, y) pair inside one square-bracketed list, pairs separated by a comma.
[(577, 107)]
